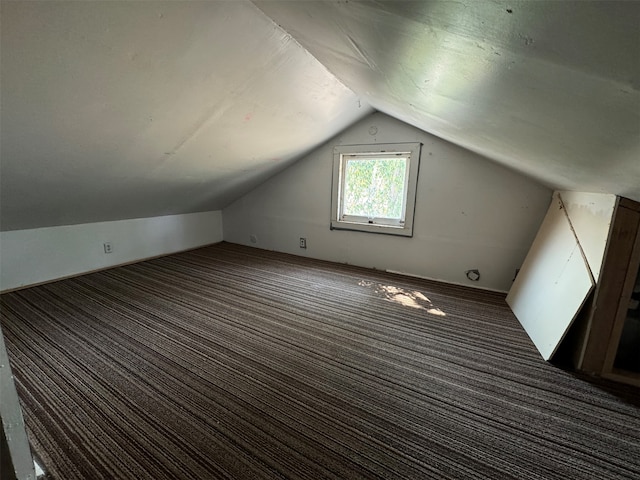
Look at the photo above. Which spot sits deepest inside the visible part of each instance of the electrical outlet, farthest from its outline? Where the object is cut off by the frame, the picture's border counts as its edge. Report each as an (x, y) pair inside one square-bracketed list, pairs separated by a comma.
[(303, 242), (108, 248), (253, 239), (473, 275)]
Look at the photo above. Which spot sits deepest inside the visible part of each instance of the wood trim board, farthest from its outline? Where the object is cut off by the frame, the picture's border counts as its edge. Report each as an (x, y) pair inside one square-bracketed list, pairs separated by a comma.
[(621, 313), (610, 288)]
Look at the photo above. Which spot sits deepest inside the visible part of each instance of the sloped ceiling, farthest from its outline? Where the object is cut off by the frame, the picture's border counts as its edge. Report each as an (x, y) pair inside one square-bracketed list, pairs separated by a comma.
[(550, 88), (113, 110)]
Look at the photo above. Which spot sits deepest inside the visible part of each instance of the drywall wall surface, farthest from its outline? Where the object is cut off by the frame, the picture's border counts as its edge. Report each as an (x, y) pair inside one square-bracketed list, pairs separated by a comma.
[(590, 215), (470, 212), (553, 283), (38, 255)]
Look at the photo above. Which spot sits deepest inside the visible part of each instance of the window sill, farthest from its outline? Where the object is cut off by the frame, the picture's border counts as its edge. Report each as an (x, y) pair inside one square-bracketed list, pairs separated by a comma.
[(372, 228)]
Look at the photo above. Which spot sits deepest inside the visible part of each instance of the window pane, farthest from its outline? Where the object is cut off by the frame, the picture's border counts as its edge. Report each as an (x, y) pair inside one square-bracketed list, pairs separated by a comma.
[(374, 187)]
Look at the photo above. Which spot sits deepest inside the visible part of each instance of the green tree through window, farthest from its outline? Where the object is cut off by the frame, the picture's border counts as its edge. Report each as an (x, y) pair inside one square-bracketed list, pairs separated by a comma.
[(374, 188)]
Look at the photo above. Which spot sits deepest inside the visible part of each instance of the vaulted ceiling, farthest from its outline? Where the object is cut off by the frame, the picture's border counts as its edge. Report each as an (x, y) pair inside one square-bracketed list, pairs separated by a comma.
[(113, 110)]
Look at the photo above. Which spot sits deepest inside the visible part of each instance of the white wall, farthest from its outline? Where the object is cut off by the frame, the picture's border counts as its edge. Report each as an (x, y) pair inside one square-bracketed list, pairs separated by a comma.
[(470, 212), (38, 255), (590, 215)]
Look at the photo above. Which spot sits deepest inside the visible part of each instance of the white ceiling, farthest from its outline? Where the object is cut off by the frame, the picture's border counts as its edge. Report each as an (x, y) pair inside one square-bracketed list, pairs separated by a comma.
[(113, 110), (550, 88)]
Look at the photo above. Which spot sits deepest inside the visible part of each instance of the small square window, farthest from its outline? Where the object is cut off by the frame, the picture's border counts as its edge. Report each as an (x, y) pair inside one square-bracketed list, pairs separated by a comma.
[(374, 188)]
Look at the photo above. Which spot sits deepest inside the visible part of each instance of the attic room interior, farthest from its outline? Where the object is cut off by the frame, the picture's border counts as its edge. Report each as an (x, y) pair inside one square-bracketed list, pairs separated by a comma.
[(320, 239)]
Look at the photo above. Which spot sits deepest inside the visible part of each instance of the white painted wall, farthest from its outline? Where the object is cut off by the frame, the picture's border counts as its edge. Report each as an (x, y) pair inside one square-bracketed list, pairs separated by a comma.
[(590, 215), (470, 212), (38, 255)]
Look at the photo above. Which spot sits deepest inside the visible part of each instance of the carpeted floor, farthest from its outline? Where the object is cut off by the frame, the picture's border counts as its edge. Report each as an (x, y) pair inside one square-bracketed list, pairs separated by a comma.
[(232, 362)]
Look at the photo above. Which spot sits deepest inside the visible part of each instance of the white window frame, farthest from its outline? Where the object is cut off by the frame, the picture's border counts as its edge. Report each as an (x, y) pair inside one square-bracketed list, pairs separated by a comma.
[(341, 155)]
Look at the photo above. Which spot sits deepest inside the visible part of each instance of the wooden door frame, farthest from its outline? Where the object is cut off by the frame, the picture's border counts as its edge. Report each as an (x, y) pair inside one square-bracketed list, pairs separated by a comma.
[(608, 370)]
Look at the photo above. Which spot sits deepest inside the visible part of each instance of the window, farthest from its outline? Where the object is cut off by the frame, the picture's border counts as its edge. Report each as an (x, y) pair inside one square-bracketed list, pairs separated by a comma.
[(374, 187)]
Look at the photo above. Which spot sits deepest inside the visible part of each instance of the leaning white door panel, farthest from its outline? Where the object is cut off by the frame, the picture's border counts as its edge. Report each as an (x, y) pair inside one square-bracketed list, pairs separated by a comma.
[(552, 284)]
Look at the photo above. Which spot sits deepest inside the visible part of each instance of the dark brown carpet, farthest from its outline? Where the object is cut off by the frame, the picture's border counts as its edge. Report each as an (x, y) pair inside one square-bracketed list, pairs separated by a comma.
[(231, 362)]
